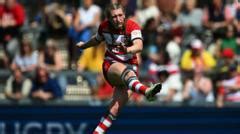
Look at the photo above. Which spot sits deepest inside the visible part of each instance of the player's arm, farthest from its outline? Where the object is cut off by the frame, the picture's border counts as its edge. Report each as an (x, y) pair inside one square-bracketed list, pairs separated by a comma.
[(137, 41), (136, 47), (92, 42)]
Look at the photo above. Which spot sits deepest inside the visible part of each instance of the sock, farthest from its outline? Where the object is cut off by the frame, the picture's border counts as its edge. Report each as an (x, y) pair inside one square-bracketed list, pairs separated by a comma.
[(135, 85), (132, 82), (104, 124)]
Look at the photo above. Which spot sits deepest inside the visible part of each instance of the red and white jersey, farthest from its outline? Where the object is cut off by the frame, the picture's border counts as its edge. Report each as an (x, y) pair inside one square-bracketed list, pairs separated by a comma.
[(114, 37)]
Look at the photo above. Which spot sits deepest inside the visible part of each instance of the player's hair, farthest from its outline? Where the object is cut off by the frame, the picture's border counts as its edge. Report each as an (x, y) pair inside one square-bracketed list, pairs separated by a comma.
[(112, 6)]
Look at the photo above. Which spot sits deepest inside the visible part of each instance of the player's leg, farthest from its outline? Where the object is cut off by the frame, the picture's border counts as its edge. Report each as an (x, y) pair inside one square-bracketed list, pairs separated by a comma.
[(120, 74), (120, 98)]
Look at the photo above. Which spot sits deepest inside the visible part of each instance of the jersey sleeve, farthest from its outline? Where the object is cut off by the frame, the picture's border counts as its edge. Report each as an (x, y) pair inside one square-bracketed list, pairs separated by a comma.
[(135, 31), (99, 35)]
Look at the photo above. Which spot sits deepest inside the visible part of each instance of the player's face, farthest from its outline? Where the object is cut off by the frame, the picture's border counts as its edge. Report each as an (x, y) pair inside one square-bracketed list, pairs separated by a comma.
[(118, 18)]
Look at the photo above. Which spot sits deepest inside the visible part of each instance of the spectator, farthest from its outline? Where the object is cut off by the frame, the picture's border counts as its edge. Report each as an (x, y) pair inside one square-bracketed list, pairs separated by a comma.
[(104, 91), (172, 85), (190, 16), (189, 21), (87, 19), (26, 59), (44, 87), (170, 6), (18, 87), (197, 57), (149, 10), (3, 60), (216, 16), (222, 70), (90, 65), (174, 48), (236, 12), (56, 20), (228, 41), (229, 89), (150, 32), (85, 22), (164, 71), (149, 35), (51, 59), (199, 89), (12, 17), (236, 23)]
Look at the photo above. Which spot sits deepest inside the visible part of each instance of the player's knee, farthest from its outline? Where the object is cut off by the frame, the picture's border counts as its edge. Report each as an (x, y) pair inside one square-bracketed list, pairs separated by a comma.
[(130, 74), (127, 72)]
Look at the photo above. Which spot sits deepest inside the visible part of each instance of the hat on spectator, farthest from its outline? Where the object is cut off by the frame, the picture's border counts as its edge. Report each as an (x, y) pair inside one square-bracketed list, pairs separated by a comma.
[(227, 53), (196, 44)]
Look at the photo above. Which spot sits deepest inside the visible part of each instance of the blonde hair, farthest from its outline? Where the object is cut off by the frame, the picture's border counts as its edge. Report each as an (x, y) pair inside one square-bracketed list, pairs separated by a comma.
[(112, 6)]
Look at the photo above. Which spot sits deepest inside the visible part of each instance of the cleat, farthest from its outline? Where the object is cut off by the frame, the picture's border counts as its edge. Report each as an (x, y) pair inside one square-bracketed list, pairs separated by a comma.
[(152, 91)]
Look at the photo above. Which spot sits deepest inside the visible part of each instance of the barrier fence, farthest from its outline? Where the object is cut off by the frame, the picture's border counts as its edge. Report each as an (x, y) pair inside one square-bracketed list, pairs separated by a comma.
[(81, 119)]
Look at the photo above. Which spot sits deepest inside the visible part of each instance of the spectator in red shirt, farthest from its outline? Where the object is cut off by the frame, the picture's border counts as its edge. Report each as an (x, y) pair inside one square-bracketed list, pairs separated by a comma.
[(105, 91), (12, 17)]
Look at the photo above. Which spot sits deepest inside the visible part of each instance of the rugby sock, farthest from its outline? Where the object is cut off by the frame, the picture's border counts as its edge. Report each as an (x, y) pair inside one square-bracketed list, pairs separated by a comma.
[(104, 124), (135, 85), (132, 82)]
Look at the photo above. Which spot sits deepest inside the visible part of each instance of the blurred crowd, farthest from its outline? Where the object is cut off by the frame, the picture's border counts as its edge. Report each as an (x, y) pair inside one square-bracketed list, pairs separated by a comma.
[(191, 46)]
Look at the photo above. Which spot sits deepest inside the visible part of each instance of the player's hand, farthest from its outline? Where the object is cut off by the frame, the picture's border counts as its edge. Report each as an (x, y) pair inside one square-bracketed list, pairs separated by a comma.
[(122, 48), (80, 44)]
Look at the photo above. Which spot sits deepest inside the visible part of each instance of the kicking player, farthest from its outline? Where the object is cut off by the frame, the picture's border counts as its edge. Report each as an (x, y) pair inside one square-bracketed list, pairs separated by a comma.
[(123, 40)]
